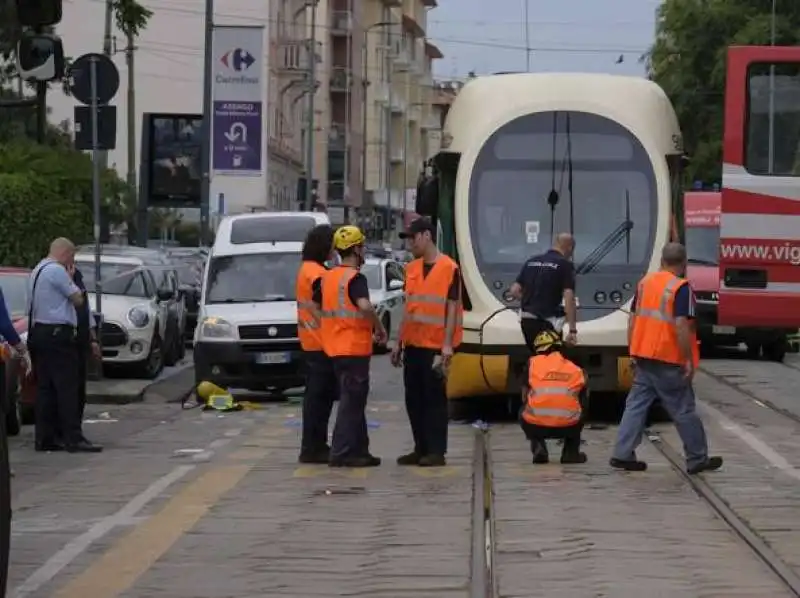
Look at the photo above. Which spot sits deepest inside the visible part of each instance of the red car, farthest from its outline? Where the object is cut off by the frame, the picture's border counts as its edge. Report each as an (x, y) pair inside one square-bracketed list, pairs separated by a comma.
[(21, 389)]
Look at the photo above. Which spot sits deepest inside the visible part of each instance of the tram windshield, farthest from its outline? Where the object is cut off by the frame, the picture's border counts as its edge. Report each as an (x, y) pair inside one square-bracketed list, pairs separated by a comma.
[(599, 166)]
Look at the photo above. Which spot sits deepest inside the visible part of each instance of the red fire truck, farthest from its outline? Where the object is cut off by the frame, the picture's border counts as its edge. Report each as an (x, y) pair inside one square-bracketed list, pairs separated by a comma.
[(760, 215)]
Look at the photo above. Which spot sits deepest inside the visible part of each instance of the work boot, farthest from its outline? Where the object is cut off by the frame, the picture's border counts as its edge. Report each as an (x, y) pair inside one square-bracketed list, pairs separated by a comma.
[(540, 454), (83, 446), (628, 464), (573, 458), (48, 447), (355, 462), (411, 458), (319, 457), (432, 461), (710, 464)]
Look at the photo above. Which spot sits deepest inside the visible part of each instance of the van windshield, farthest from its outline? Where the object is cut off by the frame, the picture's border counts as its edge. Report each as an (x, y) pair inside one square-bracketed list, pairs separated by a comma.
[(702, 245), (253, 278)]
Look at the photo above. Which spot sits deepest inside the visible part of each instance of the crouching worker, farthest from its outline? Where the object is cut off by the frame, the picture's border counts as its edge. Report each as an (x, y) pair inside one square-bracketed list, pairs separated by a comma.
[(553, 400)]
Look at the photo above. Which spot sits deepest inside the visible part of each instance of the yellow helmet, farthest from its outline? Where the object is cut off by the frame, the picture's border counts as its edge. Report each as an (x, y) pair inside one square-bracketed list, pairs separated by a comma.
[(348, 236), (546, 340)]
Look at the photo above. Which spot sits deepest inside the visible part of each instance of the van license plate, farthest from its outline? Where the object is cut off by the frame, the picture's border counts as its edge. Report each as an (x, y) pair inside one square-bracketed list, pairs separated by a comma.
[(273, 358), (723, 330)]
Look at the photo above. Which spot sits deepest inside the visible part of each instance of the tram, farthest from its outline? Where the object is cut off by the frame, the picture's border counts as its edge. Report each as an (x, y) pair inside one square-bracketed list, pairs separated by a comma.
[(526, 156)]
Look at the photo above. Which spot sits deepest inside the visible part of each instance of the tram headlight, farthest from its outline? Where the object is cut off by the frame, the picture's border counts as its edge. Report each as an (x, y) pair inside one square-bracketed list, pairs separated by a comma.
[(616, 296), (600, 297)]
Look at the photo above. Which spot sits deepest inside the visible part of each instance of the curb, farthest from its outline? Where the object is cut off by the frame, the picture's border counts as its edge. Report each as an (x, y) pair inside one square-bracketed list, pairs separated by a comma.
[(108, 398), (172, 389)]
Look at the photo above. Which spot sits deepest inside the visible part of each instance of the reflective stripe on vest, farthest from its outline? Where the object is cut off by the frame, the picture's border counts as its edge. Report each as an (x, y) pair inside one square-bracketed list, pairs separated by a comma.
[(307, 324), (308, 329), (346, 331), (425, 316), (341, 310), (662, 313), (570, 414)]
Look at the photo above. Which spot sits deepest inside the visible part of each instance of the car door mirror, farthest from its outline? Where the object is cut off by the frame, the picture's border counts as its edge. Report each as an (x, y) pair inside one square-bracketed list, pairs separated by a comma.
[(165, 294), (396, 285)]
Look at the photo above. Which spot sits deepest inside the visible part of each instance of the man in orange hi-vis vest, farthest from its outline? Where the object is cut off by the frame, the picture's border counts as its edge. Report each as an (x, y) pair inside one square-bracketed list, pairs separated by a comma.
[(347, 323), (431, 327), (320, 381), (663, 346), (554, 399)]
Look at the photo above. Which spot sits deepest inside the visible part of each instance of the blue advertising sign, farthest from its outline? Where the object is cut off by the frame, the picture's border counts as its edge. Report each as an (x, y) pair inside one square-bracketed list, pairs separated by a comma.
[(237, 130)]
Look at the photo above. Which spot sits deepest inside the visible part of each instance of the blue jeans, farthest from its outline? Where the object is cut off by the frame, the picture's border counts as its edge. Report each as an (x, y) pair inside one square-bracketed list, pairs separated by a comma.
[(655, 380)]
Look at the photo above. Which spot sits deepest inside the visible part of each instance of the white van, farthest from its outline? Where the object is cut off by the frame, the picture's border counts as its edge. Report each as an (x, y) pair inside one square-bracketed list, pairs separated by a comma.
[(246, 334)]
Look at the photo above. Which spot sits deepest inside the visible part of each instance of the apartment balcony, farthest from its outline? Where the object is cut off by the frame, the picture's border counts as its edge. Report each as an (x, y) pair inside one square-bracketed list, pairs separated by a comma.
[(337, 137), (292, 58), (340, 80), (341, 23)]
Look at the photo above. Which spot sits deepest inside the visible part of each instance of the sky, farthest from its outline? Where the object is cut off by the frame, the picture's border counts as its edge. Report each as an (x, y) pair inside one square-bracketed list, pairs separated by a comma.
[(487, 36)]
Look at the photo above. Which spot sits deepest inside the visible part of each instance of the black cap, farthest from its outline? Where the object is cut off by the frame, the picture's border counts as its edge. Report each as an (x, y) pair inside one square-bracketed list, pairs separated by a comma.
[(420, 225)]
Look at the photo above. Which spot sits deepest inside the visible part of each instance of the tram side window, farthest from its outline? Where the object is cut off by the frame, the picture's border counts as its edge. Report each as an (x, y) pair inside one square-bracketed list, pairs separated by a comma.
[(772, 139)]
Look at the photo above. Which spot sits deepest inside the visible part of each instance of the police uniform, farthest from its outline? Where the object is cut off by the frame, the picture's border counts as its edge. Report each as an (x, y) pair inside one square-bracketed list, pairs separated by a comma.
[(554, 402), (320, 380), (347, 341), (543, 279), (52, 340), (429, 288), (661, 298)]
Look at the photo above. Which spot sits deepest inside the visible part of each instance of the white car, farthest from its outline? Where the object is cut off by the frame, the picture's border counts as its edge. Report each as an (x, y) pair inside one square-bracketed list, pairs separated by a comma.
[(135, 312), (386, 279)]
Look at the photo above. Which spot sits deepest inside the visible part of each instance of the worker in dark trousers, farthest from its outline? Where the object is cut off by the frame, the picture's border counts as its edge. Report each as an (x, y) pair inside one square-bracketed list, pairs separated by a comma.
[(431, 327), (88, 346), (320, 380), (348, 319), (52, 340), (554, 400), (546, 289)]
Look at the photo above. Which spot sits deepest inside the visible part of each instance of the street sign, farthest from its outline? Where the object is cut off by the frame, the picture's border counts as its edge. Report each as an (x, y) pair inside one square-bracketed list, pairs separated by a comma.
[(106, 128), (237, 136), (80, 84)]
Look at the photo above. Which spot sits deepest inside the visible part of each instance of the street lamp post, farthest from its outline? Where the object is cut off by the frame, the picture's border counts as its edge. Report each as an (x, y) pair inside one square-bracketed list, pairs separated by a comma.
[(364, 104)]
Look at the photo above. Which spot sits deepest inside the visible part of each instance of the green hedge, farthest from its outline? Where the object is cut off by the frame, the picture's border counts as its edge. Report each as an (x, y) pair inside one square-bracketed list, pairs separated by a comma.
[(33, 212)]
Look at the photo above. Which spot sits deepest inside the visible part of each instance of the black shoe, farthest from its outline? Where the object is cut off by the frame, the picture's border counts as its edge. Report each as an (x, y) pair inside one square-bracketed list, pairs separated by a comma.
[(573, 458), (432, 461), (541, 458), (48, 447), (412, 458), (83, 446), (710, 464), (320, 457), (364, 461), (628, 465)]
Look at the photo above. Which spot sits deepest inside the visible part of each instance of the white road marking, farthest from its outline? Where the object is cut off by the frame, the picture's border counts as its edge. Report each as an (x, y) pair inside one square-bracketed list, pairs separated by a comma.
[(751, 440), (760, 404), (125, 516)]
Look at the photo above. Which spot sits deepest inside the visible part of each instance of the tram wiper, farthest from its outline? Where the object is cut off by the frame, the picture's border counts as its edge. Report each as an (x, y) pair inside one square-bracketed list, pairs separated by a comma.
[(607, 245)]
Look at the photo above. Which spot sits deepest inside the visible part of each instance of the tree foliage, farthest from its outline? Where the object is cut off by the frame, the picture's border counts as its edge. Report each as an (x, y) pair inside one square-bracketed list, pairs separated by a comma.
[(688, 60)]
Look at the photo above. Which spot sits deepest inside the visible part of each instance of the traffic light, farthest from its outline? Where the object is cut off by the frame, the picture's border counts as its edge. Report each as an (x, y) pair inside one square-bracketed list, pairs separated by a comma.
[(39, 13), (40, 57)]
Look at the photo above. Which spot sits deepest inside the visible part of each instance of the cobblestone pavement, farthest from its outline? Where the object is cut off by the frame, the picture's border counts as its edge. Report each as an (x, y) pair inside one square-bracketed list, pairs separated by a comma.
[(191, 504)]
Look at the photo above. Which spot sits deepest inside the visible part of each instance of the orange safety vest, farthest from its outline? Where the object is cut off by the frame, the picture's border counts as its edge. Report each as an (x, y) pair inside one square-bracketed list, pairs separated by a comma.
[(426, 305), (654, 335), (554, 388), (346, 331), (307, 329)]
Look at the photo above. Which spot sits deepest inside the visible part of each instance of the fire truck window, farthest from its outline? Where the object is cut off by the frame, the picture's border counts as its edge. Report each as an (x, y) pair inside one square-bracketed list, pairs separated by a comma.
[(772, 140)]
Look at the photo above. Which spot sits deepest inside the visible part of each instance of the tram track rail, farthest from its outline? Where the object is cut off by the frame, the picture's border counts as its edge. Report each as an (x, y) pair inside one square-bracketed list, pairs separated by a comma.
[(760, 548), (752, 396)]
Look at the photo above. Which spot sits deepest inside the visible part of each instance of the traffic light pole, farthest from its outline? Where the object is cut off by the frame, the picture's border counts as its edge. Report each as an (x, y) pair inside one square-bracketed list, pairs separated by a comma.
[(205, 154)]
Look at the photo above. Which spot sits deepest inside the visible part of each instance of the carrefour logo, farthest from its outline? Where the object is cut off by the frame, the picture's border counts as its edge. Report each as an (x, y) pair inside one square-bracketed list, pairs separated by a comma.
[(238, 59)]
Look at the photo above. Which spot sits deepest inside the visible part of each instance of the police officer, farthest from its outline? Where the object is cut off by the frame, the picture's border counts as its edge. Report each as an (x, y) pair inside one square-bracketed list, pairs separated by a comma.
[(546, 288), (348, 319), (431, 326), (663, 344), (320, 380), (554, 399), (52, 340)]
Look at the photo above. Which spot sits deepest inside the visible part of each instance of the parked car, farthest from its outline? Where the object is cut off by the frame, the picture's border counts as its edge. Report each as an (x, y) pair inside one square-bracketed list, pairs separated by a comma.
[(20, 389), (386, 280), (143, 313), (189, 264)]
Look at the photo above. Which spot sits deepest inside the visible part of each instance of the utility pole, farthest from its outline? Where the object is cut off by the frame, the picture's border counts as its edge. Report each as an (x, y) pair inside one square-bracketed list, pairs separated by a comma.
[(312, 90), (526, 18), (108, 50), (129, 56), (205, 154)]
